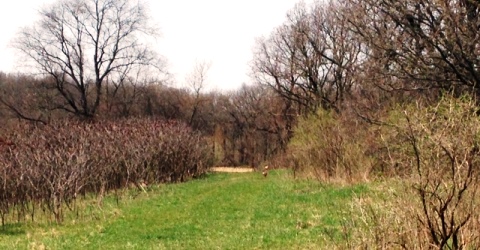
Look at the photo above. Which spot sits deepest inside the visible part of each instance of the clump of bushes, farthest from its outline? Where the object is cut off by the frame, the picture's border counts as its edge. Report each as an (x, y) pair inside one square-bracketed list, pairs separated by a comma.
[(436, 205), (48, 167), (434, 152), (328, 147)]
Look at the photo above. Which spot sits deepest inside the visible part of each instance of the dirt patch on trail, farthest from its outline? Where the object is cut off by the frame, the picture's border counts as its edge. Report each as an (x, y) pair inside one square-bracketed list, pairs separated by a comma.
[(232, 170)]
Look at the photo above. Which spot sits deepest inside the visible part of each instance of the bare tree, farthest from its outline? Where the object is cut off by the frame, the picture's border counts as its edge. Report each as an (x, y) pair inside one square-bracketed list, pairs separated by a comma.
[(196, 81), (311, 59), (79, 44)]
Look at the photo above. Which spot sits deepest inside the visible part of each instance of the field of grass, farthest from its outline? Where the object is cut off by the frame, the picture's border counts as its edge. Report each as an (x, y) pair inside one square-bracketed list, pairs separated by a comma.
[(219, 211)]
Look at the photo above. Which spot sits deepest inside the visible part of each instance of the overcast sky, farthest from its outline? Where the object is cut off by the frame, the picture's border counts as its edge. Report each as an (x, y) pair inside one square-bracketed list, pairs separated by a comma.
[(222, 32)]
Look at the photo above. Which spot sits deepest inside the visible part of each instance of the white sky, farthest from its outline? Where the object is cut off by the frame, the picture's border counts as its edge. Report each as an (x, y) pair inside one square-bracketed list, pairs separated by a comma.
[(221, 32)]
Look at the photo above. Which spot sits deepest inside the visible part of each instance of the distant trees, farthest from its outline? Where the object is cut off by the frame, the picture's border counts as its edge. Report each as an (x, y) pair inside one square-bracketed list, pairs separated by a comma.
[(196, 81), (349, 57), (21, 96), (81, 45), (253, 124)]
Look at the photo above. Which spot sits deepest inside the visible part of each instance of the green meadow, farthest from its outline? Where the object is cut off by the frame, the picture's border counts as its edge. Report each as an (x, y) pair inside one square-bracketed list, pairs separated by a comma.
[(218, 211)]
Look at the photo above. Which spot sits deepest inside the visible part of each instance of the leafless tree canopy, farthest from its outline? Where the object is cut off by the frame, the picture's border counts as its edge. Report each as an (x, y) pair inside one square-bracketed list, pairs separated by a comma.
[(82, 44), (311, 59), (326, 51), (196, 81), (420, 44)]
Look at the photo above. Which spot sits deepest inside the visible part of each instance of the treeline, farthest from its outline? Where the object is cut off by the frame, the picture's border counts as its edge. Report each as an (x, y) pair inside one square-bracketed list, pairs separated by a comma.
[(244, 127), (357, 60)]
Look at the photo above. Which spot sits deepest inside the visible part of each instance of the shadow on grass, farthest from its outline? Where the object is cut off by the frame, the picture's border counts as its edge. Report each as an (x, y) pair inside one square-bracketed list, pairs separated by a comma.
[(12, 229), (203, 176)]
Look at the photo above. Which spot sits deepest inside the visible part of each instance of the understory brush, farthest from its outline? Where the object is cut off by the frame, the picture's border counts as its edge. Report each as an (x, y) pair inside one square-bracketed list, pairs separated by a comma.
[(433, 149), (328, 147), (435, 204), (48, 167)]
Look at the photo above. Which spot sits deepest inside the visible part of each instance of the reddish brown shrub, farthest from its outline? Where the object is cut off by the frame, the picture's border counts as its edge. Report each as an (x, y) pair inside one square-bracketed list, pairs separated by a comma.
[(50, 166)]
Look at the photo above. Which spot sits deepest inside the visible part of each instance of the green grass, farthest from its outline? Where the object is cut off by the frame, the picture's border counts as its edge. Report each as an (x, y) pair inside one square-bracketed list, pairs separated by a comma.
[(220, 211)]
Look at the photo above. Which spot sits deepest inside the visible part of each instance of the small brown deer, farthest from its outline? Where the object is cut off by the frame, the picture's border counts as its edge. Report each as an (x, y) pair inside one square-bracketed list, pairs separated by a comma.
[(265, 171)]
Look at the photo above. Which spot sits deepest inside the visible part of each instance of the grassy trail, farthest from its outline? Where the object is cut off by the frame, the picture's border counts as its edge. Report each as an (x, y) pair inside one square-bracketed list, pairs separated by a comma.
[(220, 211)]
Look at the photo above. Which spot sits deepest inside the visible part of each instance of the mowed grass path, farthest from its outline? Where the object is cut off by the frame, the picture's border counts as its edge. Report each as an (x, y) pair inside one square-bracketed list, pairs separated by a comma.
[(220, 211)]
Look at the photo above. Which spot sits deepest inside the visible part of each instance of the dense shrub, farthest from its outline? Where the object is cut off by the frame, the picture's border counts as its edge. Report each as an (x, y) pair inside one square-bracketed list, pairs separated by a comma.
[(437, 206), (329, 147), (49, 166), (432, 149)]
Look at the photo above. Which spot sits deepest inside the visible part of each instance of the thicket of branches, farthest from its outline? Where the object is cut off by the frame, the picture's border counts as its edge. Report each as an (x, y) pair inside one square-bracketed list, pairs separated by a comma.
[(434, 205), (48, 167)]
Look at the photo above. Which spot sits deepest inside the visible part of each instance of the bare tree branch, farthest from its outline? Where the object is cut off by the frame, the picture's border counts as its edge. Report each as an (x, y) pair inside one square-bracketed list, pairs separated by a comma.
[(81, 43)]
